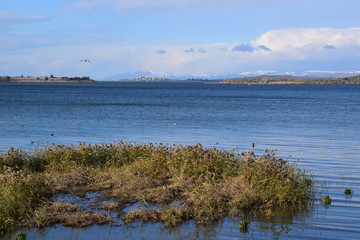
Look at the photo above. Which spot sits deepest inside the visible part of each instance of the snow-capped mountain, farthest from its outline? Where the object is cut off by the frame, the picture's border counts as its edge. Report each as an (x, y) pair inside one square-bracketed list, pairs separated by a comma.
[(152, 74), (215, 76)]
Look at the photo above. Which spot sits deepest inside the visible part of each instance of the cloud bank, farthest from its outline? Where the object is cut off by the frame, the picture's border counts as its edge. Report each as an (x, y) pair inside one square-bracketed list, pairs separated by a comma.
[(300, 49), (302, 38)]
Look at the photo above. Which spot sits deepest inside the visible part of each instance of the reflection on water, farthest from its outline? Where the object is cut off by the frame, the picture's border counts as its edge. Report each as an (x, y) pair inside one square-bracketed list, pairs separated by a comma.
[(319, 124), (283, 221)]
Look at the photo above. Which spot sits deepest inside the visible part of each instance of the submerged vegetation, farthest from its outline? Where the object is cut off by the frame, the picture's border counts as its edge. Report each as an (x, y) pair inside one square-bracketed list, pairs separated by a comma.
[(326, 200), (348, 191), (183, 182), (21, 236), (244, 225)]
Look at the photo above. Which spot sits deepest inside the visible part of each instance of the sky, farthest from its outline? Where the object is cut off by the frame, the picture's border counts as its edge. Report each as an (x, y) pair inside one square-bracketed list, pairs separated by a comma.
[(194, 37)]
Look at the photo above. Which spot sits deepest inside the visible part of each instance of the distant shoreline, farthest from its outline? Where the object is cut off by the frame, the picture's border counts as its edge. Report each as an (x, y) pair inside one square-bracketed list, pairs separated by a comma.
[(260, 80), (7, 79), (294, 80)]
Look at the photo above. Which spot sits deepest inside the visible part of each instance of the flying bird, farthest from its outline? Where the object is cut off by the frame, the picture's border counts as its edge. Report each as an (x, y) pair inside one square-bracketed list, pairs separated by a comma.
[(85, 60)]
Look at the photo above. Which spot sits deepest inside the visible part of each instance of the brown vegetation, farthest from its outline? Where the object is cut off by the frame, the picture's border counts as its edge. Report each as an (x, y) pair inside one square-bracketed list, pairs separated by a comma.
[(175, 183)]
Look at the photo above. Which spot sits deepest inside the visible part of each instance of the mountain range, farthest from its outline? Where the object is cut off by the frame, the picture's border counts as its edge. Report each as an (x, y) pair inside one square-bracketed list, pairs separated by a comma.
[(218, 76)]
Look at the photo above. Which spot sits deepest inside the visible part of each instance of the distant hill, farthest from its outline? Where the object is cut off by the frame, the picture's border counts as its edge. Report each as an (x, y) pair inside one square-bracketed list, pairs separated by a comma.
[(169, 76), (288, 79), (150, 79), (234, 75), (236, 79), (45, 79)]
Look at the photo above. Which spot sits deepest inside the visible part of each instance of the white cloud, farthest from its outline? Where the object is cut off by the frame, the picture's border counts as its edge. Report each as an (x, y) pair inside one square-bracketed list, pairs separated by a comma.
[(321, 72), (298, 39), (289, 50), (260, 72)]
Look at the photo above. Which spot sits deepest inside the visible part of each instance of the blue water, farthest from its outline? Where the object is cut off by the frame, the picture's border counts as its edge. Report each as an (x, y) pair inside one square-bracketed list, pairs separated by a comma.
[(318, 123)]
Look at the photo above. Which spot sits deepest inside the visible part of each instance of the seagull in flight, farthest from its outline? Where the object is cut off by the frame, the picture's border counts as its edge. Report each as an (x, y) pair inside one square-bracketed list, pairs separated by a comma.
[(85, 60)]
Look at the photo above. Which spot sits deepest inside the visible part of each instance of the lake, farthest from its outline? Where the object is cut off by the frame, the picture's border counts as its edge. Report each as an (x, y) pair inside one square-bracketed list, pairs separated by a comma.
[(318, 123)]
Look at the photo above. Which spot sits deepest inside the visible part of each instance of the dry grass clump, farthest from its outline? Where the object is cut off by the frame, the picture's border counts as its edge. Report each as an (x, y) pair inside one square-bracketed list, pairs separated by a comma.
[(77, 180), (85, 219), (67, 214), (54, 212), (206, 202), (209, 183), (268, 181), (129, 184), (169, 217)]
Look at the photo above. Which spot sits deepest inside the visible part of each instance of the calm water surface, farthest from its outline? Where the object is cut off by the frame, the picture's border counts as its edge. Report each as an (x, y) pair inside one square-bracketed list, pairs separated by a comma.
[(319, 124)]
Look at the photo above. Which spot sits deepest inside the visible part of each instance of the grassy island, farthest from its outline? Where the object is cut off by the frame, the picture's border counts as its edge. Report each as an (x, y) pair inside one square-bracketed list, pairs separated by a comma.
[(288, 79), (182, 182), (22, 79)]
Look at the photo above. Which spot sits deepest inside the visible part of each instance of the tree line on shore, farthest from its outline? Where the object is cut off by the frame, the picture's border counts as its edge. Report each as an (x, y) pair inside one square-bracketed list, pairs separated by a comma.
[(51, 78)]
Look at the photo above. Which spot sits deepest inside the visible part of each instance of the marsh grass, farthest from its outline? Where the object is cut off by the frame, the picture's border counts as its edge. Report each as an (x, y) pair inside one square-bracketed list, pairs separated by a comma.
[(21, 236), (244, 226), (20, 194), (326, 200), (85, 219), (169, 217), (348, 191), (3, 231), (209, 183), (54, 213)]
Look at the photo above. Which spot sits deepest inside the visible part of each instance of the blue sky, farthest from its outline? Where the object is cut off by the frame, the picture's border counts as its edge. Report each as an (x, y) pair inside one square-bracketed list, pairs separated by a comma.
[(43, 37)]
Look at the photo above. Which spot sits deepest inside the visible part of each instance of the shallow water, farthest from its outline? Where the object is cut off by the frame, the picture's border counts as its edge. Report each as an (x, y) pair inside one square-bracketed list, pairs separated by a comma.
[(317, 123)]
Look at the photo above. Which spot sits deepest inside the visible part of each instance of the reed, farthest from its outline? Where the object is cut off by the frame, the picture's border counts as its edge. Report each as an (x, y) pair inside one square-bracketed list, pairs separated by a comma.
[(244, 226), (209, 183), (20, 194)]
